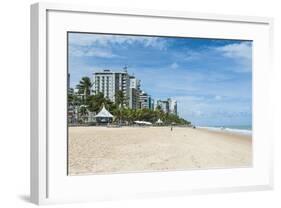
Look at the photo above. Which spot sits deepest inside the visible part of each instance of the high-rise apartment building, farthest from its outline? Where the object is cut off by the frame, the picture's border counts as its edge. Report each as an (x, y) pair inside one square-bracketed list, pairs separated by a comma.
[(164, 105), (134, 92), (172, 106), (109, 83), (167, 106), (145, 100)]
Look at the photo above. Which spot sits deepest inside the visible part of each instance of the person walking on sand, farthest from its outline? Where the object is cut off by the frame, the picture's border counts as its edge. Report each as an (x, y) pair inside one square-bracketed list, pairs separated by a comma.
[(172, 124)]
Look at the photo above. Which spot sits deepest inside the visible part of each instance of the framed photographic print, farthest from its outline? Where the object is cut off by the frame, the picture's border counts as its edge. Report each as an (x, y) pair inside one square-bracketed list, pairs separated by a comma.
[(133, 103)]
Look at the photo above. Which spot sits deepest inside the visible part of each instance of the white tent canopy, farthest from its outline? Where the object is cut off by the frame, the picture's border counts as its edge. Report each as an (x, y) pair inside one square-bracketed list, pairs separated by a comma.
[(159, 121), (104, 114), (143, 122)]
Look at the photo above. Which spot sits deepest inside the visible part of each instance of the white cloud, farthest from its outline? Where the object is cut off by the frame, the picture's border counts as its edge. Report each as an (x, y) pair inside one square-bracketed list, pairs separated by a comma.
[(191, 55), (188, 55), (153, 42), (237, 50), (174, 65), (204, 109), (84, 39), (241, 53), (95, 52), (217, 97)]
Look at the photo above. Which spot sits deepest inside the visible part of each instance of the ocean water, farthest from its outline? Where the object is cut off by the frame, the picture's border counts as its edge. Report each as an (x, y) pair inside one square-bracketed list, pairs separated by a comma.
[(238, 129), (242, 127)]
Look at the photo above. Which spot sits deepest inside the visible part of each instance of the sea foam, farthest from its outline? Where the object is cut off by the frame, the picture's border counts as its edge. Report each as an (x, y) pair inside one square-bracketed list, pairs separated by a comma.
[(230, 130)]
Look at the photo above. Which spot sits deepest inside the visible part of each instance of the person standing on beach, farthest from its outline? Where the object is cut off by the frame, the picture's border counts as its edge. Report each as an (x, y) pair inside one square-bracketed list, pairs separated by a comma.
[(172, 124)]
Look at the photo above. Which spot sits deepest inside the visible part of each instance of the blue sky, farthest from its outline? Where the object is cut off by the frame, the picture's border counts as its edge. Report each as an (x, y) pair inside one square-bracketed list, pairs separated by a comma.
[(211, 79)]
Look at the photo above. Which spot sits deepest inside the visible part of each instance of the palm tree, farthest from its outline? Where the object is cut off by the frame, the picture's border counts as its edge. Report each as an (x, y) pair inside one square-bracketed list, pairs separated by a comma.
[(83, 112), (120, 98), (128, 115), (95, 102), (158, 107), (84, 87), (118, 115), (131, 115)]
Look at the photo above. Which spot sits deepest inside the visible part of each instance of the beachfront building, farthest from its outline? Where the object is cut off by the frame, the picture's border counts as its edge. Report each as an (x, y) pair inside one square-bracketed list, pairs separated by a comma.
[(134, 92), (164, 105), (173, 109), (109, 83), (167, 106), (73, 105), (152, 104), (145, 101)]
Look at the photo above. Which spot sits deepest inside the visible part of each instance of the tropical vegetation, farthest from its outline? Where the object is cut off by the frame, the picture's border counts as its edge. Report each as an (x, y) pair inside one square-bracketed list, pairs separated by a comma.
[(86, 102)]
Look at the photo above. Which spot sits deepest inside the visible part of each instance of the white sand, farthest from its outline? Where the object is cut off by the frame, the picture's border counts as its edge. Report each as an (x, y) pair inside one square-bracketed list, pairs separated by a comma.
[(95, 150)]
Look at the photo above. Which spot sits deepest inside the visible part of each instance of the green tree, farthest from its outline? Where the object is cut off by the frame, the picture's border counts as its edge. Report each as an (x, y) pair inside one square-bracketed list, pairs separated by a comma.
[(84, 87), (83, 112), (118, 114), (95, 102), (120, 99), (158, 107)]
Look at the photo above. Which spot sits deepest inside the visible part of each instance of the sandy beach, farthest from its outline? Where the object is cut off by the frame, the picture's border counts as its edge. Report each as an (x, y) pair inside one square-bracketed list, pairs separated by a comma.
[(100, 150)]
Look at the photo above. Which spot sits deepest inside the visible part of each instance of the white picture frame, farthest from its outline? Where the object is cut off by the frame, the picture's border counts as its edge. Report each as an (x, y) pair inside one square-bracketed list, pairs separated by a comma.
[(49, 181)]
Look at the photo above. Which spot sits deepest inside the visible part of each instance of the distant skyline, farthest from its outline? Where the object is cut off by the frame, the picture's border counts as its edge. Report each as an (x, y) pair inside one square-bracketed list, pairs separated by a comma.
[(211, 79)]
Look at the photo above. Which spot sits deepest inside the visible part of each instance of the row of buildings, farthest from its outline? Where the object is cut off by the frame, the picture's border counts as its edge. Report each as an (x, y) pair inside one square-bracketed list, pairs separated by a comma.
[(110, 82)]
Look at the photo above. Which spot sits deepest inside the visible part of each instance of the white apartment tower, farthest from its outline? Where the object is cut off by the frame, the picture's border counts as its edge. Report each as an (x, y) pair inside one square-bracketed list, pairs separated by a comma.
[(145, 100), (164, 105), (172, 106), (168, 106), (109, 83), (134, 91)]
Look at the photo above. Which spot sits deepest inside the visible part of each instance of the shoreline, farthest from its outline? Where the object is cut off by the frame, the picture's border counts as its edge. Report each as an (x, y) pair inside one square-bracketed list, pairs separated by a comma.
[(242, 132), (210, 129), (102, 150)]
